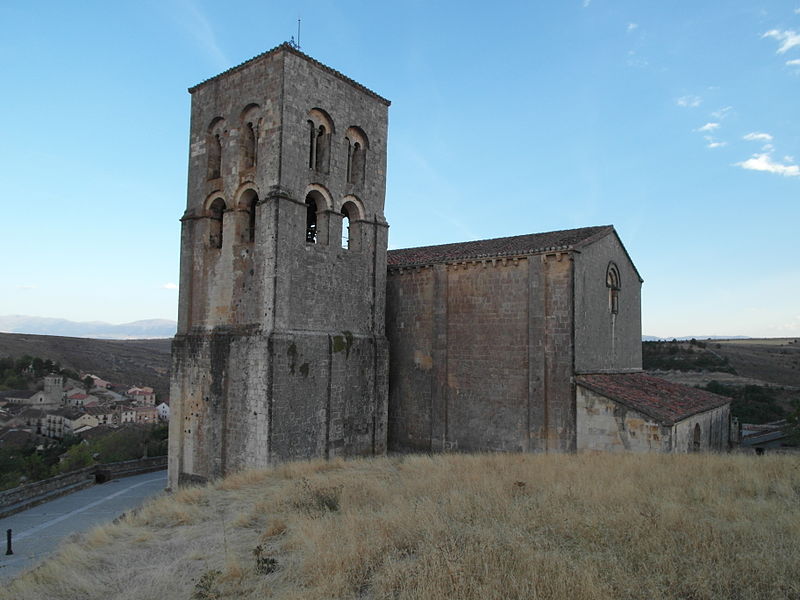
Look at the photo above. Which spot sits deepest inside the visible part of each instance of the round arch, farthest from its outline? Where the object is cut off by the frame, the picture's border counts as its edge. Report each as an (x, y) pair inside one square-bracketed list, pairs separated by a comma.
[(211, 199), (216, 125), (244, 195), (612, 277), (321, 117), (249, 112), (323, 193), (216, 215), (354, 207), (356, 134), (246, 207)]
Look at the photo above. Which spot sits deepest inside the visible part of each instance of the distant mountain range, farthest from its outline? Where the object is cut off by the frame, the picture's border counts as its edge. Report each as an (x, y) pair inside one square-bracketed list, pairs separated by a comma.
[(164, 328), (137, 330), (653, 338)]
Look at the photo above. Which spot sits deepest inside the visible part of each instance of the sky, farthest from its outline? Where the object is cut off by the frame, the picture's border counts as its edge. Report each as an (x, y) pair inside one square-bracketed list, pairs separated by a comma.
[(674, 121)]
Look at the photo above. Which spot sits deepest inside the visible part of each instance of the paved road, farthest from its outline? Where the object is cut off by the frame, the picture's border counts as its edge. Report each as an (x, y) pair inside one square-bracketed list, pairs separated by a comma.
[(39, 530)]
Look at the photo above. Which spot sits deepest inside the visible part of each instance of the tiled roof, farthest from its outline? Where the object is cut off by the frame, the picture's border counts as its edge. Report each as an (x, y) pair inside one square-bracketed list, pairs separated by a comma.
[(663, 400), (32, 413), (67, 413), (518, 245), (286, 46), (16, 437), (17, 394)]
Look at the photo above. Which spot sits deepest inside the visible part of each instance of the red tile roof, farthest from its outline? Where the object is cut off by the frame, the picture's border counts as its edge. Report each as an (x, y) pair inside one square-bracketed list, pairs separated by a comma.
[(660, 399), (518, 245)]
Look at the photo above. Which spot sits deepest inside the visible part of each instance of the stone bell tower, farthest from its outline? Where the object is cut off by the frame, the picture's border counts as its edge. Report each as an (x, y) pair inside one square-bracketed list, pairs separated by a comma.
[(281, 351)]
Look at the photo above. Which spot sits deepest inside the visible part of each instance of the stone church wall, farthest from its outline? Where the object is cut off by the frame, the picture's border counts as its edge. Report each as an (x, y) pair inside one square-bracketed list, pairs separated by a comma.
[(487, 358), (608, 426), (481, 355), (606, 341), (410, 330)]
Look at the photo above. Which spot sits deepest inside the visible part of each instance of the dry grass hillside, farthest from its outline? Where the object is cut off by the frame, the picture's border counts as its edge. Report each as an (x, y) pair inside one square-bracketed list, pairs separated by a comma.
[(130, 362), (765, 361), (776, 361), (454, 527)]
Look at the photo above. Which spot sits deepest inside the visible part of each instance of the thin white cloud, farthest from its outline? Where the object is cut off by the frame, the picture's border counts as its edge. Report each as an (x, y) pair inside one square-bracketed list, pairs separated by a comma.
[(713, 143), (189, 15), (634, 61), (586, 3), (632, 26), (768, 148), (757, 136), (169, 286), (722, 112), (764, 162), (689, 101), (788, 38), (793, 63), (26, 287), (709, 127)]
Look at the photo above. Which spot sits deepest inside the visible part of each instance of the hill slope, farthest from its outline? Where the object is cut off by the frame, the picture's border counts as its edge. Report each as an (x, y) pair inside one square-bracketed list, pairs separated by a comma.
[(577, 527), (776, 361), (144, 362)]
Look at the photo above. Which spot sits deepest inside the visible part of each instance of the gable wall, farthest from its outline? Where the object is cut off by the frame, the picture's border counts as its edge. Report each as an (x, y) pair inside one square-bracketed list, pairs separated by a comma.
[(603, 341), (714, 431)]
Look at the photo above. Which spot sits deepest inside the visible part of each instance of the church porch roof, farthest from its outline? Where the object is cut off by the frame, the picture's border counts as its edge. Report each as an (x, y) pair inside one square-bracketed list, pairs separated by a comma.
[(658, 398)]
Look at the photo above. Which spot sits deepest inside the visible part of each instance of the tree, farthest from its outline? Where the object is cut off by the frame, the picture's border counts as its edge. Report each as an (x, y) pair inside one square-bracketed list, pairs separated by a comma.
[(77, 457), (35, 467), (792, 428)]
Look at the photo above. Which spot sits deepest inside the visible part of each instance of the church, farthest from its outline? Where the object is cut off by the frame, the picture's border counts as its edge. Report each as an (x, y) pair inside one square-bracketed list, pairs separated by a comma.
[(300, 335)]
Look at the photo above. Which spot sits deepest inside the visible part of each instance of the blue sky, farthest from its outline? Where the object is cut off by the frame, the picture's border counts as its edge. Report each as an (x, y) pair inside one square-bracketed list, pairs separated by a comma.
[(674, 121)]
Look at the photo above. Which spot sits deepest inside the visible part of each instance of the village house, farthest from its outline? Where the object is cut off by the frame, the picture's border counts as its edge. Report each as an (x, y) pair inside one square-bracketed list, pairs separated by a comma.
[(97, 381), (29, 418), (145, 414), (143, 396), (163, 411), (124, 413), (105, 415), (58, 422), (78, 399)]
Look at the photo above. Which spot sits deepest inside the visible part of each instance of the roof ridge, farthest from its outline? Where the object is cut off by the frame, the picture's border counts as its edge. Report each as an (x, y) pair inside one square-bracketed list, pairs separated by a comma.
[(286, 46), (516, 245), (504, 237)]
